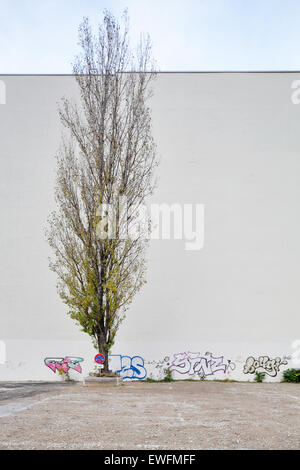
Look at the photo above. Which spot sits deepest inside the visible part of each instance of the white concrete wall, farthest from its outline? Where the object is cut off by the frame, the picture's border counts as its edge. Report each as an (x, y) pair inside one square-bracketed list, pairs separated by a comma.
[(228, 141)]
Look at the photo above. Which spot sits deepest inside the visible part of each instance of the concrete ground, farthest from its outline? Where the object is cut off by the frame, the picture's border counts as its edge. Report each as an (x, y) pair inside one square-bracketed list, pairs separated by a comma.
[(12, 390), (177, 415)]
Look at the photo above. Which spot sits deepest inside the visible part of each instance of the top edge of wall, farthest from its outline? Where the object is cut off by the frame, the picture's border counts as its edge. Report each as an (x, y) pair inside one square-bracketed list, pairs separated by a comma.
[(158, 72)]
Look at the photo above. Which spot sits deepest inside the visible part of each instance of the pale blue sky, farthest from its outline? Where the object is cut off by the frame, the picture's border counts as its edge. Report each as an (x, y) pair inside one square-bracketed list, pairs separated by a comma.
[(40, 36)]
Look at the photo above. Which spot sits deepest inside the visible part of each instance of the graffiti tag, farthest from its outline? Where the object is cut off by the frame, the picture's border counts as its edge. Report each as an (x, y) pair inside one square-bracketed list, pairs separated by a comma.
[(194, 363), (128, 367), (160, 364), (64, 364), (264, 364)]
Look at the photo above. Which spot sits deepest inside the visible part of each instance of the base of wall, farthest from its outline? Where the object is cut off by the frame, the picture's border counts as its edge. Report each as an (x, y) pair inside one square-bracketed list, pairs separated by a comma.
[(102, 380)]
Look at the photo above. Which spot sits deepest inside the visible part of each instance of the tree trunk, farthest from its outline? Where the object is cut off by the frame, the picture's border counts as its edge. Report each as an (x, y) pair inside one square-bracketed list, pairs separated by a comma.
[(103, 350)]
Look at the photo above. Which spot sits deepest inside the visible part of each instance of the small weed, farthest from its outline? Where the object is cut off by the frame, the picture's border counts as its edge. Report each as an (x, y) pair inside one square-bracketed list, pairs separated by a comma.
[(259, 377), (291, 375), (168, 375)]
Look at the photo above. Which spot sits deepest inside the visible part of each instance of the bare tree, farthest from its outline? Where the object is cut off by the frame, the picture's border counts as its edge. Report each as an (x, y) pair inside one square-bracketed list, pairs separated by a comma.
[(107, 157)]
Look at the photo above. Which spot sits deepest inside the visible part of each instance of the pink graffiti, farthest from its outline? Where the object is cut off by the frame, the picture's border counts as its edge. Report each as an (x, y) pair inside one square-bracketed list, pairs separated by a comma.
[(64, 364)]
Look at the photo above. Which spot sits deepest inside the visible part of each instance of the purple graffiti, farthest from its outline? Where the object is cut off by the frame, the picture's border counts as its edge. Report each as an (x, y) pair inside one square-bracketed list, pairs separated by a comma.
[(64, 364), (194, 363)]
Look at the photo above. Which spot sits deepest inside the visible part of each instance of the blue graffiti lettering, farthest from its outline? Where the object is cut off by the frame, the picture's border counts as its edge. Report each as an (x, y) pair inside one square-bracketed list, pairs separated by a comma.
[(128, 367)]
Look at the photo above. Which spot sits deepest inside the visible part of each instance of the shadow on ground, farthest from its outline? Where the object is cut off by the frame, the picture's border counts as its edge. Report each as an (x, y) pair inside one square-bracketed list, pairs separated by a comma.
[(14, 390)]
